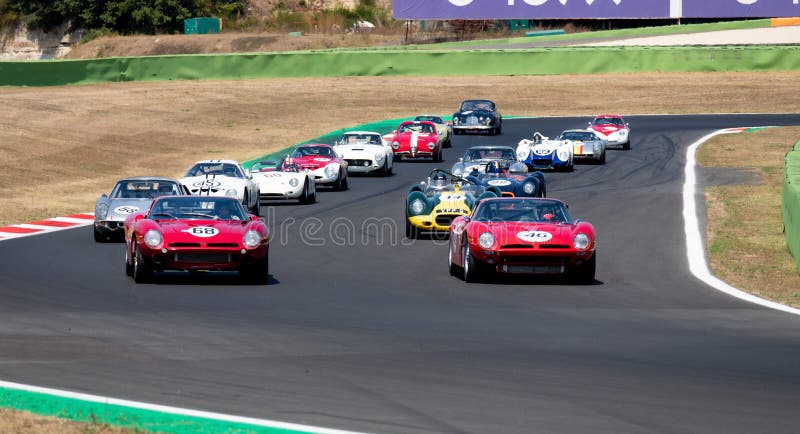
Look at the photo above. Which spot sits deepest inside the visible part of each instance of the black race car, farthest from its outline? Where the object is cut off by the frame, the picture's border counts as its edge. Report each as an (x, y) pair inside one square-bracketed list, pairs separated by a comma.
[(477, 115)]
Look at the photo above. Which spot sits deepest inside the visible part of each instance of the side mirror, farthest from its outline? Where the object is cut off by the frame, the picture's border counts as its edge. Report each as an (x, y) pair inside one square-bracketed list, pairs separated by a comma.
[(103, 195), (460, 159), (254, 217), (138, 217), (466, 219)]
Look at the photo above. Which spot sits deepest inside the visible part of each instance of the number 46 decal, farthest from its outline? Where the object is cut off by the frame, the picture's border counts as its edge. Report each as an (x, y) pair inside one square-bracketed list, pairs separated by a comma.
[(202, 231)]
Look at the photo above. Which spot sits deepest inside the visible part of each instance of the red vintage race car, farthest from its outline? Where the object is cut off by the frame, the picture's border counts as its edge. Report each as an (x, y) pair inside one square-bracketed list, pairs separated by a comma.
[(324, 163), (196, 233), (522, 236), (613, 129), (416, 139)]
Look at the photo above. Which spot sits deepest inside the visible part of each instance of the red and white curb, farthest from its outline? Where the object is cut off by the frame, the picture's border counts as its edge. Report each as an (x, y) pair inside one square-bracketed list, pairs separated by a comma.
[(44, 226)]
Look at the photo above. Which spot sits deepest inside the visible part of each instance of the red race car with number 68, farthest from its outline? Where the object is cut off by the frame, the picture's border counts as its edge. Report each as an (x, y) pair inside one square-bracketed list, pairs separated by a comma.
[(522, 236), (196, 233)]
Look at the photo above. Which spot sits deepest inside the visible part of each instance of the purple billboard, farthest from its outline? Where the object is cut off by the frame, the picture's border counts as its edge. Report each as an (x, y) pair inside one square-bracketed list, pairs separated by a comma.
[(568, 9), (741, 8)]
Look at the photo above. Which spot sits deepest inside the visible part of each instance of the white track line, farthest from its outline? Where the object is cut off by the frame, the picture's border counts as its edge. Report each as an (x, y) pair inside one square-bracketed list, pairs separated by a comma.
[(695, 248), (172, 410)]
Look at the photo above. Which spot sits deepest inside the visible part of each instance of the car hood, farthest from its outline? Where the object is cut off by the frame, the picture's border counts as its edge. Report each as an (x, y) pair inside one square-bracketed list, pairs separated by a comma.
[(312, 162), (607, 128), (523, 233), (476, 113), (123, 207), (203, 231), (359, 149)]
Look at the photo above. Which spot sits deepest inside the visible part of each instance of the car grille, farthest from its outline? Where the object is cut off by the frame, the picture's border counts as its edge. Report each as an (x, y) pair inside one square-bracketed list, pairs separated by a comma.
[(445, 220), (216, 258), (516, 246), (184, 244), (553, 246), (364, 163), (224, 245), (272, 195), (542, 162), (555, 260)]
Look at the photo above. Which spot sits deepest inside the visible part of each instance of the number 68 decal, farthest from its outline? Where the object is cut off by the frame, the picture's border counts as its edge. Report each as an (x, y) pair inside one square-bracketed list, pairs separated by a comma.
[(202, 231)]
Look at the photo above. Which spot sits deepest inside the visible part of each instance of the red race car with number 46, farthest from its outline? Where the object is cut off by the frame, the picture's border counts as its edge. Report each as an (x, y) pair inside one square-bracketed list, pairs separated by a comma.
[(522, 236), (195, 233)]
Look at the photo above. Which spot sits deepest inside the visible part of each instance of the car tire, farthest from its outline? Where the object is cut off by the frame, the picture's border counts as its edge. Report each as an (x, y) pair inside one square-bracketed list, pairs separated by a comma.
[(345, 182), (627, 145), (390, 170), (500, 128), (471, 271), (305, 197), (584, 274), (602, 158), (453, 267), (257, 273), (128, 262), (412, 233), (142, 271), (99, 237), (385, 169), (438, 157)]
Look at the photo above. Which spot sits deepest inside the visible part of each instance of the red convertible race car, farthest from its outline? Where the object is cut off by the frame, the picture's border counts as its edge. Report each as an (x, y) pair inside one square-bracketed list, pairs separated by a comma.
[(196, 233), (416, 139), (523, 236)]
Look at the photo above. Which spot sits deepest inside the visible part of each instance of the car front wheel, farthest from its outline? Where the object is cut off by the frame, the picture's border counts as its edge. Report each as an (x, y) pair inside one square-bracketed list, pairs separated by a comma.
[(142, 271), (471, 272)]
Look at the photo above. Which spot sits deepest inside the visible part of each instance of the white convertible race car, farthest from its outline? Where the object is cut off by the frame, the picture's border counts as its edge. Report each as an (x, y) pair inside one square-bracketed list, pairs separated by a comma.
[(223, 178), (282, 179), (365, 151), (540, 152)]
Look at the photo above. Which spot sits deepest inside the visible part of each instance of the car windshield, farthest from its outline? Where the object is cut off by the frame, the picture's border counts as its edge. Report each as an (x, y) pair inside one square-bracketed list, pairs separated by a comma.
[(144, 189), (522, 210), (216, 169), (411, 127), (490, 154), (605, 121), (577, 135), (358, 139), (313, 151), (477, 105), (434, 119), (197, 208)]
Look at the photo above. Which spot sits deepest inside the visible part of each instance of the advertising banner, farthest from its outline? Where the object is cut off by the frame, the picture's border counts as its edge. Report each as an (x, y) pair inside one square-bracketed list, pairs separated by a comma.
[(528, 9), (593, 9), (741, 8)]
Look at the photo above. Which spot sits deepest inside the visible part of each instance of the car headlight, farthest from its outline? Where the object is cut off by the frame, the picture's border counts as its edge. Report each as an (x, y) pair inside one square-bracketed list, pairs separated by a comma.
[(488, 120), (522, 154), (251, 239), (231, 192), (101, 211), (431, 145), (581, 241), (378, 157), (456, 121), (153, 238), (563, 154), (458, 171), (417, 206), (293, 182), (528, 187), (486, 240), (330, 170), (395, 145), (622, 132)]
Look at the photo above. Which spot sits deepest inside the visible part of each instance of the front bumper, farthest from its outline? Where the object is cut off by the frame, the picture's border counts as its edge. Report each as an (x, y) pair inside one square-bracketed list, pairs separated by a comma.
[(321, 178), (532, 260), (109, 226), (183, 258), (416, 154), (363, 166), (434, 222)]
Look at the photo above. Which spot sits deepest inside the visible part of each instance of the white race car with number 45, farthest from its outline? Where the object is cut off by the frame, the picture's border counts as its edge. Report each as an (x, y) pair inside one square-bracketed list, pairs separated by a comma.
[(365, 152), (223, 178)]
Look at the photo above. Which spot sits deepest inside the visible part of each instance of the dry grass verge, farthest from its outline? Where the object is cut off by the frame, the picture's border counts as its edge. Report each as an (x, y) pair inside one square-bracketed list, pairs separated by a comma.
[(64, 146), (24, 422), (746, 244)]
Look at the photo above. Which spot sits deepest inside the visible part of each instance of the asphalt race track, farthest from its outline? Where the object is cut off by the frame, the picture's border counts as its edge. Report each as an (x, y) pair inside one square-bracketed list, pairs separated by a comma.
[(360, 329)]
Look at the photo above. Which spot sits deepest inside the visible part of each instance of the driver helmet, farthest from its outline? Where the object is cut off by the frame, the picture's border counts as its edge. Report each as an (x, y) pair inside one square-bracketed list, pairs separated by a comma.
[(165, 188), (518, 168), (439, 180), (224, 211), (494, 167)]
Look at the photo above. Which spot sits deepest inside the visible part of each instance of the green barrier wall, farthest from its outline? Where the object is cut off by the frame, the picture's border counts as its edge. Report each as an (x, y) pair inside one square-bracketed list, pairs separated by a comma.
[(541, 61), (790, 202)]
